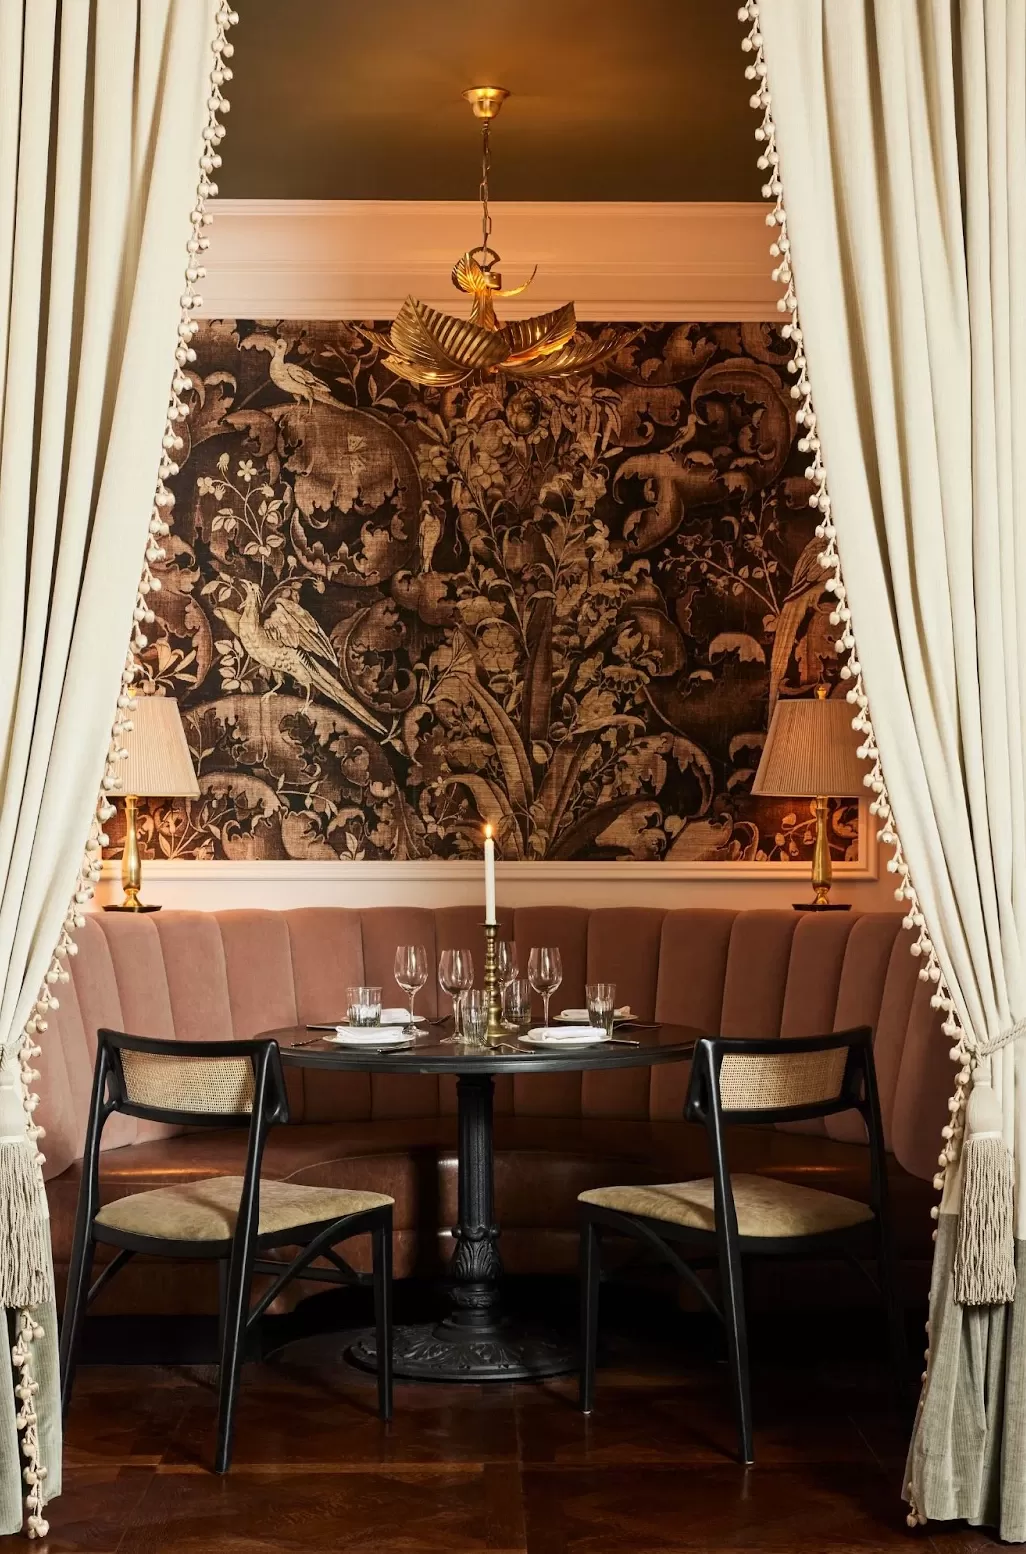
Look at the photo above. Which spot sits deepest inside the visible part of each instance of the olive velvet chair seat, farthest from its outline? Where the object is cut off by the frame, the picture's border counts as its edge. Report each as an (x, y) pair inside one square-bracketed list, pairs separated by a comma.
[(208, 1210), (764, 1207)]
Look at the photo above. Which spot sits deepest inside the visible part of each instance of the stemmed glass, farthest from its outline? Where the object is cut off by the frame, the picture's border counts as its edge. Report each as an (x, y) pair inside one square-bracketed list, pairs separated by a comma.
[(506, 968), (545, 973), (411, 972), (455, 977)]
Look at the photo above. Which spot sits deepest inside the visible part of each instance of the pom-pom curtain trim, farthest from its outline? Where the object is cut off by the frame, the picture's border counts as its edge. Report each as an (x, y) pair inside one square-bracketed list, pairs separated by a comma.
[(47, 50), (904, 130)]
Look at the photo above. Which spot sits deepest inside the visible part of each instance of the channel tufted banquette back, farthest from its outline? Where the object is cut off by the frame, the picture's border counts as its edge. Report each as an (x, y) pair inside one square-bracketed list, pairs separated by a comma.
[(212, 975)]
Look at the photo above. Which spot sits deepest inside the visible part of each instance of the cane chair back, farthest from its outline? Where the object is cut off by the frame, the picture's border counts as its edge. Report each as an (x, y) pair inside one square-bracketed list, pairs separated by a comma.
[(222, 1086), (786, 1080), (754, 1082), (191, 1083)]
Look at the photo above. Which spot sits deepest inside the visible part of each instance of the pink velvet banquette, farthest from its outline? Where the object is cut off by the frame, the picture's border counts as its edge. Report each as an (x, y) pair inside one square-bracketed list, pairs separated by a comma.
[(217, 975)]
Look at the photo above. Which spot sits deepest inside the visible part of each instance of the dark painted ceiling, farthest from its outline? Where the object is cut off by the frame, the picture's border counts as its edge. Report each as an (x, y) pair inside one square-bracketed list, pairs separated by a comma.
[(613, 100)]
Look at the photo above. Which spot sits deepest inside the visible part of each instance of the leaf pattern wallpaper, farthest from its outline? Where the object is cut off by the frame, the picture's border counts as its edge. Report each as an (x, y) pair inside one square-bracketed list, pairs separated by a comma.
[(391, 614)]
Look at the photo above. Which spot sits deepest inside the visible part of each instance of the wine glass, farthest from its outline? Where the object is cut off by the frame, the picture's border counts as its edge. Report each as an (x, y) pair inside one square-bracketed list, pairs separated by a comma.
[(545, 973), (506, 967), (411, 972), (505, 962), (455, 977)]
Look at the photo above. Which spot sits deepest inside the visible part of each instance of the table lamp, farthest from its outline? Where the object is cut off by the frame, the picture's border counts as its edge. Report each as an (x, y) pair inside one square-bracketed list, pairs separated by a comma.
[(159, 766), (811, 752)]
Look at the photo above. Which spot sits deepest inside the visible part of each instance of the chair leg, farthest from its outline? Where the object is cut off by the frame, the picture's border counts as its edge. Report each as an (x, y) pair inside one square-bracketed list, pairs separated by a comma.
[(75, 1302), (737, 1340), (382, 1256), (894, 1313), (222, 1299), (233, 1346), (591, 1268)]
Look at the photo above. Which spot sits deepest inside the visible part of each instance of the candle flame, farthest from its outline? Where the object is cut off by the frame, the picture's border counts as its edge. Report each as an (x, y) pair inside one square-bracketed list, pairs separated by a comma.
[(488, 832)]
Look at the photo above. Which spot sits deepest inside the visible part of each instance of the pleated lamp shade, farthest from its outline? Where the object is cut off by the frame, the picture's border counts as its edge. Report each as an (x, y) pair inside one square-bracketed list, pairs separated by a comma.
[(810, 751), (159, 764)]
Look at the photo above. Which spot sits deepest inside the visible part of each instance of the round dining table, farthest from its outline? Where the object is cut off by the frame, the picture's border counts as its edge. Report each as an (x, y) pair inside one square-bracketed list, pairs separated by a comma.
[(476, 1342)]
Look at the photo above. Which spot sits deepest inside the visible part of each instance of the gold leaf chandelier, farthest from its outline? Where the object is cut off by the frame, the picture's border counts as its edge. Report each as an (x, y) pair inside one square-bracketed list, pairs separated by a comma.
[(436, 350)]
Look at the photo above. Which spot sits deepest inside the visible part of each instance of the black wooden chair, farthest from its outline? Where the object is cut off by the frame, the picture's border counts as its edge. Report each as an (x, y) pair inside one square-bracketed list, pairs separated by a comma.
[(231, 1219), (726, 1217)]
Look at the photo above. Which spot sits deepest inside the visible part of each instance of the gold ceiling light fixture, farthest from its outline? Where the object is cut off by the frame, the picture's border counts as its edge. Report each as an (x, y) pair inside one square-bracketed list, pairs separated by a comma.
[(436, 350)]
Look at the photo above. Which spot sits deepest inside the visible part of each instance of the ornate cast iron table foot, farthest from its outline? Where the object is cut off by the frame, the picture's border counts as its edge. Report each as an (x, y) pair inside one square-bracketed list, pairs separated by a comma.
[(475, 1342), (441, 1351)]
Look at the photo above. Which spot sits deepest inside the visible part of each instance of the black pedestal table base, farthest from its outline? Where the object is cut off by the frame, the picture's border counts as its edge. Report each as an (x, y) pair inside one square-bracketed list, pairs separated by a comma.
[(475, 1342), (442, 1351)]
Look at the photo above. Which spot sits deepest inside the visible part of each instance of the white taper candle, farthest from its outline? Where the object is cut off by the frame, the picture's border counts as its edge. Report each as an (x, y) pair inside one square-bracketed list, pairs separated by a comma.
[(489, 863)]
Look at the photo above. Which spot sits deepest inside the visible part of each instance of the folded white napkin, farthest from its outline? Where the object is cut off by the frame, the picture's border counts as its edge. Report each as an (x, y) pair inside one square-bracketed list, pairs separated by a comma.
[(577, 1016), (570, 1035), (371, 1035)]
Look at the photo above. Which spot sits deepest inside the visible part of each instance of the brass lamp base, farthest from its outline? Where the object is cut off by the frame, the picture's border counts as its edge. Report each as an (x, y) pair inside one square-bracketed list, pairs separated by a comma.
[(131, 864), (822, 869)]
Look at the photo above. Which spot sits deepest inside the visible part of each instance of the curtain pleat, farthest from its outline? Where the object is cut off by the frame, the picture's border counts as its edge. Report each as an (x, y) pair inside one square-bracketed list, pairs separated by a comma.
[(901, 132), (103, 110)]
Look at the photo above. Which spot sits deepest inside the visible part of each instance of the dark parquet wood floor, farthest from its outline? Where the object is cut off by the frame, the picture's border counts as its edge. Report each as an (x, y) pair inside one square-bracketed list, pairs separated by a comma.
[(509, 1470)]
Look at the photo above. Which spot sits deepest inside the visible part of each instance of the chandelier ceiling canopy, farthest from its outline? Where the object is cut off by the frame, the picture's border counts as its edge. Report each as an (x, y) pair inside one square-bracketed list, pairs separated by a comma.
[(437, 350)]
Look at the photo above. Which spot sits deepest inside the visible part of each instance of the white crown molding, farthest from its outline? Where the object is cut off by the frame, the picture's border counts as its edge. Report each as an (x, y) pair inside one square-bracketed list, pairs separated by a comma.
[(307, 259)]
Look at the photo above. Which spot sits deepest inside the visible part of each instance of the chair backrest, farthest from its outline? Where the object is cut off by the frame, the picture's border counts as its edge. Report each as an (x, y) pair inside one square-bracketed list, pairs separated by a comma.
[(787, 1080), (192, 1084), (811, 1076)]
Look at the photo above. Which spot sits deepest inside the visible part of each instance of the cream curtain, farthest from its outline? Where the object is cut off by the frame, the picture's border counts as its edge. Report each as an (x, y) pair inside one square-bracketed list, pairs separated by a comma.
[(105, 109), (900, 128)]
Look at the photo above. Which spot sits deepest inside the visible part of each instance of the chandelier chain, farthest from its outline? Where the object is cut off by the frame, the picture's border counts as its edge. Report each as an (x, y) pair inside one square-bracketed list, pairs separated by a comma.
[(486, 163), (485, 170)]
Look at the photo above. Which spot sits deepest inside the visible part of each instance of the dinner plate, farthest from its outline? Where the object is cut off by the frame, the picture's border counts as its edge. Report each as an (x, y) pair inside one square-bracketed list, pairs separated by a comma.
[(371, 1036), (567, 1036), (580, 1016)]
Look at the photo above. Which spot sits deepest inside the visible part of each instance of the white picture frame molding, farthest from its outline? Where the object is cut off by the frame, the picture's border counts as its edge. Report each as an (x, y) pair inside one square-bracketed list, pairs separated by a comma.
[(439, 882), (359, 259)]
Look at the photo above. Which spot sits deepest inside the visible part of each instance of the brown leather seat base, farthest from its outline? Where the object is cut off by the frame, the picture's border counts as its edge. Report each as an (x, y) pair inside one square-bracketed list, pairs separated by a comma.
[(542, 1164)]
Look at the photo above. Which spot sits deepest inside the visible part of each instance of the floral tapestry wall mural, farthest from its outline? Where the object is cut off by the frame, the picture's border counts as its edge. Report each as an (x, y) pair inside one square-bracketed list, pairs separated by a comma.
[(391, 613)]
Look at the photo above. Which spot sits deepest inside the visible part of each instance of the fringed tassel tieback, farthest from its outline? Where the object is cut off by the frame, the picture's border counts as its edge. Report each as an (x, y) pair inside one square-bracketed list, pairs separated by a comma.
[(984, 1264), (24, 1228)]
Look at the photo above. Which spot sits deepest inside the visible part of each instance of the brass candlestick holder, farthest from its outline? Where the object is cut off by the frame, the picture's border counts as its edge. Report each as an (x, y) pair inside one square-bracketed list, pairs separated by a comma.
[(495, 1031)]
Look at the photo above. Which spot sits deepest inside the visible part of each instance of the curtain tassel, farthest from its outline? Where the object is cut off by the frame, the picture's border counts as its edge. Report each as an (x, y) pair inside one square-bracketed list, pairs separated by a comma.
[(984, 1267), (24, 1227)]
